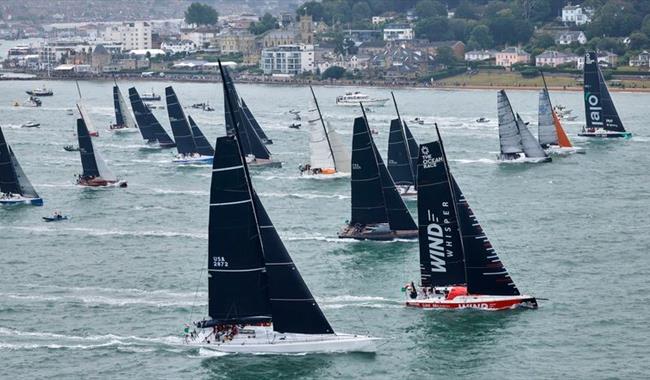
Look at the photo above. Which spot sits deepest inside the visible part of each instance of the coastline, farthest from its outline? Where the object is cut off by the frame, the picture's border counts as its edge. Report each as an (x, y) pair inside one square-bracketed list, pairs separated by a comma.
[(299, 82)]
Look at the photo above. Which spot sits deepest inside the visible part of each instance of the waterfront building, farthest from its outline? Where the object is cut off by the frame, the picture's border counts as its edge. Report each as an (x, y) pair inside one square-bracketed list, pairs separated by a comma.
[(287, 59)]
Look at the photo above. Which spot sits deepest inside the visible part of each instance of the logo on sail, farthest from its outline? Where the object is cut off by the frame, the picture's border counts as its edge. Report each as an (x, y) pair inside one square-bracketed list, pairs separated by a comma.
[(436, 235), (593, 105), (427, 160)]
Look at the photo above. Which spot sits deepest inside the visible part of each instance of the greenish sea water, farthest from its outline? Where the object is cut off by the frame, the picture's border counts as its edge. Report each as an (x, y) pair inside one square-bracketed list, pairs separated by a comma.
[(106, 294)]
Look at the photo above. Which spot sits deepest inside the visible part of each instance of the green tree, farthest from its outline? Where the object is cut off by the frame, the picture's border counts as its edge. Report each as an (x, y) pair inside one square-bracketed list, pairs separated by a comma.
[(334, 72), (508, 29), (445, 56), (429, 9), (617, 18), (465, 10), (544, 41), (361, 11), (434, 29), (267, 22), (645, 27), (201, 14), (480, 37)]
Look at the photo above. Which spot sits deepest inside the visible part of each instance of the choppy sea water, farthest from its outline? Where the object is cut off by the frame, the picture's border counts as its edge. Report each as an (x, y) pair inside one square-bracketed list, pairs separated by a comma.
[(106, 294)]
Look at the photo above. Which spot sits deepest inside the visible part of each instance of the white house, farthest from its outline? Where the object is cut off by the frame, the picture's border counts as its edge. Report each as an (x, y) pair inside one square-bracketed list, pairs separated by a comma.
[(184, 46), (133, 35), (552, 58), (287, 59), (480, 55), (642, 59), (570, 36), (201, 37), (607, 58), (395, 32), (575, 14)]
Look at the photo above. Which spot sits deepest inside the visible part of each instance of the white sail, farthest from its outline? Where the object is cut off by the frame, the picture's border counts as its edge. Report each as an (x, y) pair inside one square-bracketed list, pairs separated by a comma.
[(545, 127), (103, 169), (129, 121), (509, 136), (321, 156), (340, 151), (23, 181), (84, 115), (531, 146)]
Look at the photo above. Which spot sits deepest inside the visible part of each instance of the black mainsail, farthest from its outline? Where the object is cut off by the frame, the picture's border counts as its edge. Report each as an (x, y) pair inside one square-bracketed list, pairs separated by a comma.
[(119, 118), (180, 127), (599, 107), (413, 148), (86, 150), (150, 128), (12, 178), (400, 163), (483, 270), (203, 146)]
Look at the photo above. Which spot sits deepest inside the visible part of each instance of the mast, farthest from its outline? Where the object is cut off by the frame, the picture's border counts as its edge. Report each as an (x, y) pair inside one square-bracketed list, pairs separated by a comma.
[(453, 197), (322, 122), (404, 138)]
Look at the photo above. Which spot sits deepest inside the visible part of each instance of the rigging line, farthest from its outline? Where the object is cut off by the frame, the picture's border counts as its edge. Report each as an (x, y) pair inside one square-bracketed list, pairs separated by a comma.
[(196, 294)]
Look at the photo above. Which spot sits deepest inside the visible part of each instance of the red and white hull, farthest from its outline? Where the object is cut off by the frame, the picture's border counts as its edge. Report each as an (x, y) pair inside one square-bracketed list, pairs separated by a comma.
[(456, 297)]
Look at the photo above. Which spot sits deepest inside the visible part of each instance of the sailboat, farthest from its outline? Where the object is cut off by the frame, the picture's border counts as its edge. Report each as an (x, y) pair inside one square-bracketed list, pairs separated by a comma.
[(187, 150), (459, 268), (517, 142), (328, 155), (601, 115), (257, 299), (124, 121), (254, 148), (378, 211), (402, 155), (550, 134), (203, 146), (150, 129), (81, 106), (95, 171), (15, 187)]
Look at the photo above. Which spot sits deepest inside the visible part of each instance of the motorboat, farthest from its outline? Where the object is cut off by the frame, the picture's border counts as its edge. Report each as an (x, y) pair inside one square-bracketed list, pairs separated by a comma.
[(150, 96), (31, 124), (482, 120), (40, 91), (356, 97)]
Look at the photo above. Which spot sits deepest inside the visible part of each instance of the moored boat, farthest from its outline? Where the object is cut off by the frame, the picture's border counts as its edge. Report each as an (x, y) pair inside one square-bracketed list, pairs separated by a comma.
[(150, 96), (378, 211), (354, 98), (15, 187), (601, 115), (459, 268), (40, 91)]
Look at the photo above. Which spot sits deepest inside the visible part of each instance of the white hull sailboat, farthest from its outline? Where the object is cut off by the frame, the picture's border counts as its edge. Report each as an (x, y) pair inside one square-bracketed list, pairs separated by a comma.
[(187, 144), (15, 187), (264, 340), (550, 134), (124, 121)]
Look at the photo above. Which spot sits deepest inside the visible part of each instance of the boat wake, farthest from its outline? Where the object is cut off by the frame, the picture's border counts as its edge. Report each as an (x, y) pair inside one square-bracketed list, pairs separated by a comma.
[(305, 195), (371, 302), (98, 232), (477, 161), (99, 300)]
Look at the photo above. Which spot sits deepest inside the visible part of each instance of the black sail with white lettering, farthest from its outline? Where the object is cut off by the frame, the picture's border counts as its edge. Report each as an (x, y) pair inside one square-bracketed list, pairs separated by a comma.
[(399, 159), (119, 119), (292, 304), (441, 254), (12, 178), (150, 128), (203, 146), (237, 283), (599, 107), (399, 217), (368, 206), (485, 271), (253, 122), (180, 126), (86, 150)]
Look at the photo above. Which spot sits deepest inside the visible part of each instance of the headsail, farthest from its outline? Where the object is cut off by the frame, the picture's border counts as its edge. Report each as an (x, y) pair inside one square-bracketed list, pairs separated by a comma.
[(237, 281), (320, 150), (339, 150), (203, 147), (599, 107), (150, 128), (84, 115), (253, 122), (178, 121), (368, 206), (509, 137), (441, 253), (530, 145), (562, 138), (413, 148), (12, 178), (92, 162)]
